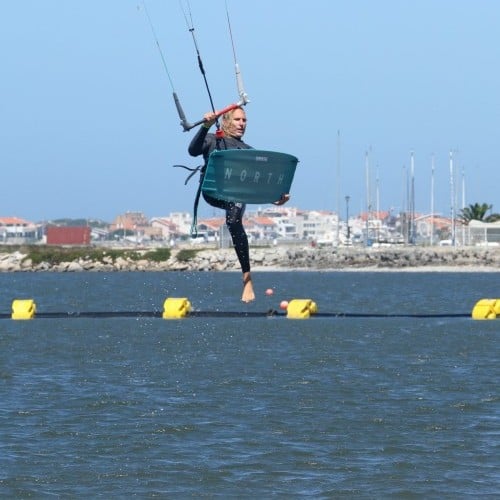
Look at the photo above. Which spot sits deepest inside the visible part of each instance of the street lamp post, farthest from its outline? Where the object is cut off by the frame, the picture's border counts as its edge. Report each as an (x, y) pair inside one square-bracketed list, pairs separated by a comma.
[(347, 198)]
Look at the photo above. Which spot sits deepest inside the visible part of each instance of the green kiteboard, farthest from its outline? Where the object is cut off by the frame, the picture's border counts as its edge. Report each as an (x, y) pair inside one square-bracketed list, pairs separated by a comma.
[(248, 175)]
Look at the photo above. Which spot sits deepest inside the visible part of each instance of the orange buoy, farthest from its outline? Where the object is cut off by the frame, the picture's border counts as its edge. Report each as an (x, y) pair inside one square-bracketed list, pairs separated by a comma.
[(284, 305), (269, 291)]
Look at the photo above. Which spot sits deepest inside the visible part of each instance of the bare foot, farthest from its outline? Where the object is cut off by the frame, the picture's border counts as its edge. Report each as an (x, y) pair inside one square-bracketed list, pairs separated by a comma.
[(248, 294)]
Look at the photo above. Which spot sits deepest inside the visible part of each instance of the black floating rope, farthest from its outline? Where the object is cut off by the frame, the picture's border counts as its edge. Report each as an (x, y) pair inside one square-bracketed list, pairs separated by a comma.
[(230, 314), (391, 315)]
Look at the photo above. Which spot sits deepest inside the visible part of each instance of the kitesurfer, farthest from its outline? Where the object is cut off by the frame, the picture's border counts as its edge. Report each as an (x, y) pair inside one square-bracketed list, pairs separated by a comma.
[(233, 128)]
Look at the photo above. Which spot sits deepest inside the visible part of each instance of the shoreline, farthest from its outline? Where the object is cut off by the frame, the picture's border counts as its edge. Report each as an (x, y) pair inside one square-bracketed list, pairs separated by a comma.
[(281, 258), (421, 269)]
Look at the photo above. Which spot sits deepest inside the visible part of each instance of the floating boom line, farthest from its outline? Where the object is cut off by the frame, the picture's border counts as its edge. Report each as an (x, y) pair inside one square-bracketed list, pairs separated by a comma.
[(228, 314)]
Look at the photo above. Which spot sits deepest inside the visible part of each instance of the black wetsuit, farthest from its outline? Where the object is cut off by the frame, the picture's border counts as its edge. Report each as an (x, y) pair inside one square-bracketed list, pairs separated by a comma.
[(204, 143)]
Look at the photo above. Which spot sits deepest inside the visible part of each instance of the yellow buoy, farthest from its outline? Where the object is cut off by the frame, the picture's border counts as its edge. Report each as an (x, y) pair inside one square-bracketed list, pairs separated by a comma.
[(23, 309), (486, 309), (174, 308), (301, 308)]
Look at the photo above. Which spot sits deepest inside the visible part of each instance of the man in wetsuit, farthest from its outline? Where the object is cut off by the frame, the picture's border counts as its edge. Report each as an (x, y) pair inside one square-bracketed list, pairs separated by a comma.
[(233, 126)]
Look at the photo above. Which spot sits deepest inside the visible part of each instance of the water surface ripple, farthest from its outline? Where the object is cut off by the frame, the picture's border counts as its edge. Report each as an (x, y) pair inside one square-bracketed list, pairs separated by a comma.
[(250, 407)]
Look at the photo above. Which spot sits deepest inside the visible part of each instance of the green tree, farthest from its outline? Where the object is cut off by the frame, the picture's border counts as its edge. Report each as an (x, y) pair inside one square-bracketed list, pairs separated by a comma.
[(477, 211), (493, 218)]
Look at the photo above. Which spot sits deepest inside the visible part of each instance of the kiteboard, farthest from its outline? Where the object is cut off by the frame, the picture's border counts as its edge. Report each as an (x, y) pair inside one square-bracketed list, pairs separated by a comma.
[(249, 175)]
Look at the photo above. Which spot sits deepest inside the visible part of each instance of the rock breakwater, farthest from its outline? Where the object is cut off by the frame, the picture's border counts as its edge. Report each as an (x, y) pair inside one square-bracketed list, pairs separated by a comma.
[(281, 258)]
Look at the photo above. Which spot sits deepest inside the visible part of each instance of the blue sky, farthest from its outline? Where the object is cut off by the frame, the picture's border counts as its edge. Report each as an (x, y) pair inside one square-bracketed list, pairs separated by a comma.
[(89, 128)]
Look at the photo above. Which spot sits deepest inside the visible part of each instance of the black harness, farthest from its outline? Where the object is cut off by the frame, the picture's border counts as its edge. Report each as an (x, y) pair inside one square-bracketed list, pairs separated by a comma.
[(201, 169)]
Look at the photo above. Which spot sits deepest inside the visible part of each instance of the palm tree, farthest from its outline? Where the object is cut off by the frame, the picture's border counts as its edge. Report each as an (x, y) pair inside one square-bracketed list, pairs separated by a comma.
[(477, 211), (493, 218)]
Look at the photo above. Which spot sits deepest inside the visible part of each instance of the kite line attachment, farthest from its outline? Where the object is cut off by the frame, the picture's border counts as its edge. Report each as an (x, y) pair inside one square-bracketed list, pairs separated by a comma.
[(243, 96)]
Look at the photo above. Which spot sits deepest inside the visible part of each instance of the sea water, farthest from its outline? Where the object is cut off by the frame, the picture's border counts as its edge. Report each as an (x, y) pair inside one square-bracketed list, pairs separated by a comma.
[(251, 407)]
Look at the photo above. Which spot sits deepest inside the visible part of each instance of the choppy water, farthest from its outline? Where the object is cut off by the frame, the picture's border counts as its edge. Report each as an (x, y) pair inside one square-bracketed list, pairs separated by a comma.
[(250, 407)]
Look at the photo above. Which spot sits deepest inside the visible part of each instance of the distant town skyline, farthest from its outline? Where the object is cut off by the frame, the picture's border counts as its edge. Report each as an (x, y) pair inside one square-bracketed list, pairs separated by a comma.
[(211, 213), (89, 127)]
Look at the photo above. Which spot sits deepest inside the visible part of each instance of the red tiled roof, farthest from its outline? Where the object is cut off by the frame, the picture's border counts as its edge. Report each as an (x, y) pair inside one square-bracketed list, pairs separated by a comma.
[(381, 215), (14, 221), (213, 223), (263, 221)]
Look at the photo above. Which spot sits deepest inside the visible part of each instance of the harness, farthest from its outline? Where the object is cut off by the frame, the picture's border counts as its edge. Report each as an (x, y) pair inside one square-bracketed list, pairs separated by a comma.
[(219, 137)]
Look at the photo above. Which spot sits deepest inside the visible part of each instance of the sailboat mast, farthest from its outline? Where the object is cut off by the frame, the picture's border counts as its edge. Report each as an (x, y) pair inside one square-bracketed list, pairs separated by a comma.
[(463, 204), (338, 187), (368, 202), (432, 200), (412, 199), (452, 200), (404, 205)]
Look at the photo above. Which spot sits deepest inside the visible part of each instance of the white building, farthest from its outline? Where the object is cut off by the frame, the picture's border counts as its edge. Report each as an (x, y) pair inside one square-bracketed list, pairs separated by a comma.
[(15, 231), (173, 226), (318, 226), (483, 233)]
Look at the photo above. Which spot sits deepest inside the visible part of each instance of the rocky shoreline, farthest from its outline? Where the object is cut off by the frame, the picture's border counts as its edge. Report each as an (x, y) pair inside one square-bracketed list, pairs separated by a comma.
[(483, 259)]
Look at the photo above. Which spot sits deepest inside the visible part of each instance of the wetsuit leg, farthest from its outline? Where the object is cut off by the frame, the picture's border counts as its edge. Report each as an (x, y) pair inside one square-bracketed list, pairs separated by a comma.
[(234, 223)]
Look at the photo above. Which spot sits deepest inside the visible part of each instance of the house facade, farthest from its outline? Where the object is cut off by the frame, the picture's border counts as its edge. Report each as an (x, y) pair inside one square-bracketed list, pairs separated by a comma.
[(16, 231)]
